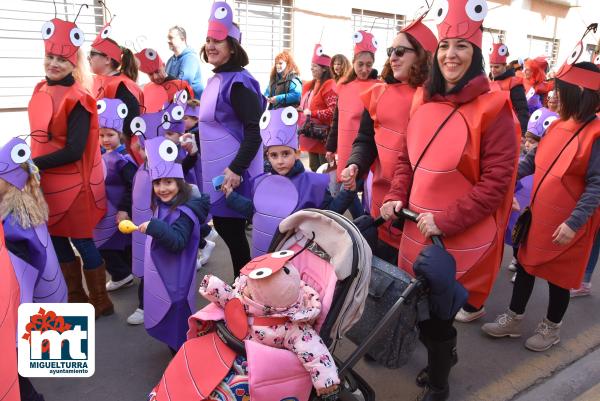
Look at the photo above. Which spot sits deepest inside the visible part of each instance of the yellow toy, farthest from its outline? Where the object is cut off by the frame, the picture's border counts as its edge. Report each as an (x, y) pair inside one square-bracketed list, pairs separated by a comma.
[(127, 226)]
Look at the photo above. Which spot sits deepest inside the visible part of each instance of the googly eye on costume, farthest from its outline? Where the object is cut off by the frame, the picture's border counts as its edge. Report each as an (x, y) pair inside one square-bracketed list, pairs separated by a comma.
[(503, 50), (319, 51), (476, 9), (101, 106), (220, 13), (289, 116), (265, 119), (375, 43), (549, 121), (440, 12), (150, 54), (167, 151), (575, 54), (177, 113), (20, 153), (536, 115), (76, 36), (357, 37), (106, 32), (47, 30), (282, 254), (122, 110), (181, 97), (138, 125), (166, 124), (597, 60), (259, 273)]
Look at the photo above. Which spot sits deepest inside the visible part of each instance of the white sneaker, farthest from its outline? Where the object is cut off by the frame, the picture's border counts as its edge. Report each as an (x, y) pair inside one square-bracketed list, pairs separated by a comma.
[(136, 317), (465, 317), (115, 285), (212, 235), (513, 265), (204, 254)]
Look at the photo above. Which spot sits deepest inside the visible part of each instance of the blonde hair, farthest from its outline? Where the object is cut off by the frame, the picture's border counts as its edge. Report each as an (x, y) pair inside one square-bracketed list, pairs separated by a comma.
[(81, 73), (27, 206)]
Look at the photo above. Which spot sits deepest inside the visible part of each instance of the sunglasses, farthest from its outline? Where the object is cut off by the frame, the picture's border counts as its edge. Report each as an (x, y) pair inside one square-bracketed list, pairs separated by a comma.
[(399, 51), (95, 53)]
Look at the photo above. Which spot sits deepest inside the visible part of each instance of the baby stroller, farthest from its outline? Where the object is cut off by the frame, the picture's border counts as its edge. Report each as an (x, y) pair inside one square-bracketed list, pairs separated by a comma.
[(337, 264)]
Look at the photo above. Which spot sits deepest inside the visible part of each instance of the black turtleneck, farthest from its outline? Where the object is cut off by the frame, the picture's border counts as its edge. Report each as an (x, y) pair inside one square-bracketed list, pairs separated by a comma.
[(247, 108), (133, 106), (78, 127)]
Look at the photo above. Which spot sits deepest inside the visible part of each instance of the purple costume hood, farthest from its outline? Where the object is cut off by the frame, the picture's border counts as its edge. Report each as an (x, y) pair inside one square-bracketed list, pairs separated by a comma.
[(540, 120), (278, 127), (161, 154), (12, 155), (112, 113), (220, 23)]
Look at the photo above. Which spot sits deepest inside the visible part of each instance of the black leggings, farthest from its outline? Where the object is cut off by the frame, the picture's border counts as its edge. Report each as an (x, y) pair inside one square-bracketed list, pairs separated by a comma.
[(558, 302), (233, 232), (436, 329)]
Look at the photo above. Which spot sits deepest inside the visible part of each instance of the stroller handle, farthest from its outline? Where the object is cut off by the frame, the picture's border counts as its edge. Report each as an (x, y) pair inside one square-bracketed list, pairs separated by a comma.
[(411, 215)]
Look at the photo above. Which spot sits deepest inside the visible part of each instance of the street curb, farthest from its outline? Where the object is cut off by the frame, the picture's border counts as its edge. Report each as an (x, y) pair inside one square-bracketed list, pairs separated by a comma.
[(580, 377), (540, 370)]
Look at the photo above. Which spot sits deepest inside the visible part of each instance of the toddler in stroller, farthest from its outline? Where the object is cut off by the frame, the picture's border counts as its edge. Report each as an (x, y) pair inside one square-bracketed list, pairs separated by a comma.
[(335, 267)]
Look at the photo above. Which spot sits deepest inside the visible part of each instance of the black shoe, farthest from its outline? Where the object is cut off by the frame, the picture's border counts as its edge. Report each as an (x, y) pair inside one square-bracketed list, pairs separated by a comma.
[(433, 394), (422, 378)]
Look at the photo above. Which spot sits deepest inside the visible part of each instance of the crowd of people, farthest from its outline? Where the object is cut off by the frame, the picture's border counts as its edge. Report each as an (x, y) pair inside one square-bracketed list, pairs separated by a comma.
[(486, 160)]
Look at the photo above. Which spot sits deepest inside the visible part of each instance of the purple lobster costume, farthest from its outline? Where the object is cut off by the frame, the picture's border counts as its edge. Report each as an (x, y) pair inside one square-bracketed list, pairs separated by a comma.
[(275, 196), (221, 131), (111, 114), (169, 289), (40, 278), (146, 126), (538, 123)]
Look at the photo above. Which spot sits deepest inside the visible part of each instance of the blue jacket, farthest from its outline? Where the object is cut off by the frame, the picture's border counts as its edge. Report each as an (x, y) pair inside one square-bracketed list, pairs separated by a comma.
[(290, 92), (175, 237), (186, 66), (339, 204)]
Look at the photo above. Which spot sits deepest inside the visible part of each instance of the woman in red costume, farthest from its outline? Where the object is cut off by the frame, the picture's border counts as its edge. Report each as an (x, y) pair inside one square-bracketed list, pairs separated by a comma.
[(116, 75), (386, 107), (64, 125), (162, 87), (317, 103), (564, 206), (457, 171), (534, 78), (349, 109)]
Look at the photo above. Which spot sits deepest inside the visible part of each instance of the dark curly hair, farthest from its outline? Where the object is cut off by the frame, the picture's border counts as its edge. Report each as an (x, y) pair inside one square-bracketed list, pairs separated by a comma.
[(419, 70)]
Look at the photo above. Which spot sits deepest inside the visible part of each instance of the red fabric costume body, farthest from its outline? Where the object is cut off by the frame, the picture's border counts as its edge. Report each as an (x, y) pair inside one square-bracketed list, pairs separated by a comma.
[(389, 106), (107, 85), (74, 192), (9, 303), (156, 95), (563, 265), (465, 178), (321, 105), (350, 109), (505, 84)]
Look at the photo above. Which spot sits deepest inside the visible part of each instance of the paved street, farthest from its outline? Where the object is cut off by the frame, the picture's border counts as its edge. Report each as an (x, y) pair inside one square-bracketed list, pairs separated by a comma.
[(129, 362)]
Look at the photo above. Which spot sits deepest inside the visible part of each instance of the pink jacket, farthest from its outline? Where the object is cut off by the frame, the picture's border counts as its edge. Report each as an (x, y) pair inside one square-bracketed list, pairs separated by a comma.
[(296, 334)]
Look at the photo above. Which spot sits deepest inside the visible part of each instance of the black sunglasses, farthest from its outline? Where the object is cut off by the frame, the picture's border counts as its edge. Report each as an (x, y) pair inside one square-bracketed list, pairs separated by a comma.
[(95, 53), (399, 51)]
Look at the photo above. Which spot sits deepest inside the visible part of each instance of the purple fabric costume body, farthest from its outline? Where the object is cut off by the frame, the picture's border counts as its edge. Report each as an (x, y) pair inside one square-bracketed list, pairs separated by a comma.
[(276, 197), (40, 280), (145, 127), (221, 136), (170, 282), (106, 233), (538, 123)]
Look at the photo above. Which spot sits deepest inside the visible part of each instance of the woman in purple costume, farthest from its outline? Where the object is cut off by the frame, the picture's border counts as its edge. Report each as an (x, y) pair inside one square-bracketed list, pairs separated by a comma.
[(230, 110)]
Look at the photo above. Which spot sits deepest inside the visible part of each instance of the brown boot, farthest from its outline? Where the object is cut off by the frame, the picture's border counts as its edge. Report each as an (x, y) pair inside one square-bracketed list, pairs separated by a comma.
[(72, 273), (96, 283)]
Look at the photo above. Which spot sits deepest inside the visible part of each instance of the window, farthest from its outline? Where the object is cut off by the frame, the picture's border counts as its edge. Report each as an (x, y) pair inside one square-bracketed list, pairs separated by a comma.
[(540, 46), (22, 47), (266, 27), (383, 26)]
